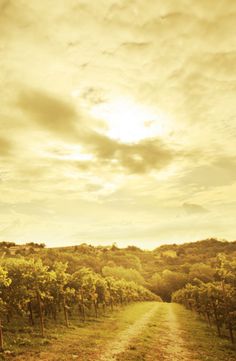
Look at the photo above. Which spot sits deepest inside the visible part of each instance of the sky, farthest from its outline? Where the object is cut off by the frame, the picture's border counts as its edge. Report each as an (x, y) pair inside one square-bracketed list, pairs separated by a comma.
[(117, 121)]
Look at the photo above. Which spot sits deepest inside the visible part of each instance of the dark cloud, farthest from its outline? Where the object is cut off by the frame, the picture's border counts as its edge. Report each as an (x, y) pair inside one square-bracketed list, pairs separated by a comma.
[(145, 156), (191, 208), (49, 112), (226, 163), (5, 147), (137, 158), (141, 157), (4, 4)]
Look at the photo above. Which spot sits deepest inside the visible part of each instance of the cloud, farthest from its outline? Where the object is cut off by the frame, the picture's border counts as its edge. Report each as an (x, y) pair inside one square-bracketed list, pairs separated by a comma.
[(49, 112), (10, 228), (62, 119), (135, 158), (216, 173), (191, 208), (5, 147), (94, 96), (141, 157), (147, 155)]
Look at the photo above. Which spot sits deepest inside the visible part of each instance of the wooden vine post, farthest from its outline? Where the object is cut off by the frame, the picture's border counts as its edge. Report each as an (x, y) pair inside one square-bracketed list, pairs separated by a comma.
[(1, 337), (65, 312), (229, 323), (40, 314)]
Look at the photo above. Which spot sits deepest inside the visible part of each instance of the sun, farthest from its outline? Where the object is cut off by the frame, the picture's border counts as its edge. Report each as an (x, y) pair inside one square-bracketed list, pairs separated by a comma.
[(128, 121)]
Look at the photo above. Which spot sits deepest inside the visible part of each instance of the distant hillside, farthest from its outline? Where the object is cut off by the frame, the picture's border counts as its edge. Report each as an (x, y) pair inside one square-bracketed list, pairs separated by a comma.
[(163, 270)]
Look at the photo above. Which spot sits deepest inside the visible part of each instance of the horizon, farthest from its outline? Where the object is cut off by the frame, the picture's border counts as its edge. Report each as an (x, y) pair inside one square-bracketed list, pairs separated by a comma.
[(119, 244), (117, 121)]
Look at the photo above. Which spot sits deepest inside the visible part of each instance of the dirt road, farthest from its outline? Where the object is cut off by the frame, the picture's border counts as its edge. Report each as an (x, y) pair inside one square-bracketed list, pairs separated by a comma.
[(158, 336), (139, 332), (122, 341)]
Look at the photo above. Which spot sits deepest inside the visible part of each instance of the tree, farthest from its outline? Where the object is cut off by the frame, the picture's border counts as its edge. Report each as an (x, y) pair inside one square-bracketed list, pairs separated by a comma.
[(120, 272), (202, 271)]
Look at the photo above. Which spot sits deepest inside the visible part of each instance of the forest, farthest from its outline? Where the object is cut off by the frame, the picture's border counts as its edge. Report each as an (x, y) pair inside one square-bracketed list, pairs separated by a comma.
[(40, 286)]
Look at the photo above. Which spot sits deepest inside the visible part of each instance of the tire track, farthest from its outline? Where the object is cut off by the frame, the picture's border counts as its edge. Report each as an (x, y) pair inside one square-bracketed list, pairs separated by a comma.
[(123, 340)]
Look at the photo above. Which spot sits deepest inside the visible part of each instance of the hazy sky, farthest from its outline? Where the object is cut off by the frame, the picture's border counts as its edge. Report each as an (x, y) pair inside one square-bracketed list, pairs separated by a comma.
[(117, 121)]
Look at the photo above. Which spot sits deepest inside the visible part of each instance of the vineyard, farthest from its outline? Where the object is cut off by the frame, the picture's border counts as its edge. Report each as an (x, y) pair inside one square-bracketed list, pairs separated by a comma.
[(214, 301), (30, 289), (48, 295)]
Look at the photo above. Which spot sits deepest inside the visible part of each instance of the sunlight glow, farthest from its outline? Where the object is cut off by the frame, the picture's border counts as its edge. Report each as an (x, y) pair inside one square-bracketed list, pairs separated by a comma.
[(130, 122)]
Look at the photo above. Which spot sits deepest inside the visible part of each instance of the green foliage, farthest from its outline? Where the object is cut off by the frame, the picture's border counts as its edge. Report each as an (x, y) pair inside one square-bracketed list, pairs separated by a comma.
[(202, 271), (166, 282), (120, 272), (5, 244), (29, 288), (216, 300)]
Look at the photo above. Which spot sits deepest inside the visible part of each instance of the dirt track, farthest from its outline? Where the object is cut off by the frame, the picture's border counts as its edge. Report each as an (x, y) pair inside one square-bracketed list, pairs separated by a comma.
[(139, 332), (168, 345), (126, 336)]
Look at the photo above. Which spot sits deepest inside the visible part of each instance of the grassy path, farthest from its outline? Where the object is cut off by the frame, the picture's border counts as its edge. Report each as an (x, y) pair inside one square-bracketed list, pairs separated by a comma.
[(175, 334), (140, 332), (123, 340), (84, 342)]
